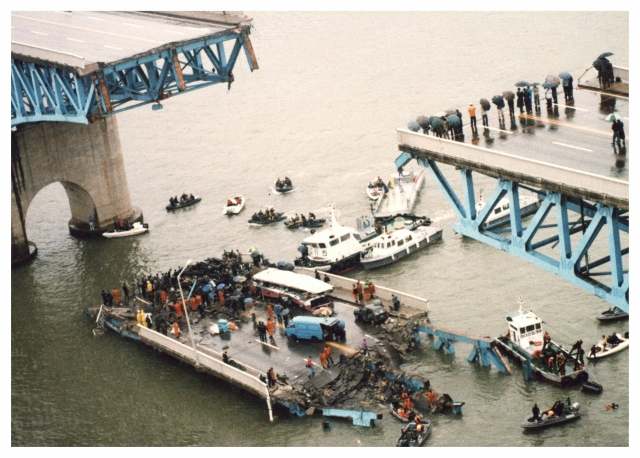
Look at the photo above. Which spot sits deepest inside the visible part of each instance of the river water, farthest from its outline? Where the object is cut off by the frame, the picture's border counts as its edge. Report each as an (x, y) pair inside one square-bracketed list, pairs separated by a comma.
[(322, 109)]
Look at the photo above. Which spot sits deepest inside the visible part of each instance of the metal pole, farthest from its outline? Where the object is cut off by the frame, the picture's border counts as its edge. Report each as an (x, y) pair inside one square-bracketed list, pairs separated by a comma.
[(193, 342)]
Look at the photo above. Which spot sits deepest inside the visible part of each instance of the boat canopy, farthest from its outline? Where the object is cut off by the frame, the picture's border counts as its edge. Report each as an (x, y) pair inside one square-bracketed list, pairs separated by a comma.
[(293, 280)]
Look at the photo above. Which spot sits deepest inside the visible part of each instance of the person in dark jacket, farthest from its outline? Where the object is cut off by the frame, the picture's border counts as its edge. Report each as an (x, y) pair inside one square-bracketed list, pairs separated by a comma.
[(520, 103), (536, 412)]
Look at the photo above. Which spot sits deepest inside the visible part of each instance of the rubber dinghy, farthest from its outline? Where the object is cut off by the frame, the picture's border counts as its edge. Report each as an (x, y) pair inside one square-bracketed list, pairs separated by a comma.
[(186, 203), (602, 350), (568, 412), (411, 437), (136, 229), (237, 204)]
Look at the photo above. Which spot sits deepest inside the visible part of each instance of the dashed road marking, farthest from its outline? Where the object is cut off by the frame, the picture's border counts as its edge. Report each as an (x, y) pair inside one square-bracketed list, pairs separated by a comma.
[(571, 146)]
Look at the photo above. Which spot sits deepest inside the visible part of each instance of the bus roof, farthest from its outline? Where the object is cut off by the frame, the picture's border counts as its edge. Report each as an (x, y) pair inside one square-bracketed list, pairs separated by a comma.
[(293, 280)]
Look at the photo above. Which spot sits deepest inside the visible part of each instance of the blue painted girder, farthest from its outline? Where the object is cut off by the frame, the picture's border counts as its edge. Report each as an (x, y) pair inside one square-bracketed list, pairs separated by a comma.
[(45, 93), (569, 263)]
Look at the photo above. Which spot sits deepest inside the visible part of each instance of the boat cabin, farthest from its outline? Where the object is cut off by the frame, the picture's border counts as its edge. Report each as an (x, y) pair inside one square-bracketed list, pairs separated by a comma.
[(525, 330), (332, 244)]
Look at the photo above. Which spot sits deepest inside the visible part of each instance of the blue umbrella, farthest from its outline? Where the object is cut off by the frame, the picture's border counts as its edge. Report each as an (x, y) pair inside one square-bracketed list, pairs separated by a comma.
[(413, 126), (522, 84), (220, 286), (207, 288), (547, 85), (564, 75), (454, 121)]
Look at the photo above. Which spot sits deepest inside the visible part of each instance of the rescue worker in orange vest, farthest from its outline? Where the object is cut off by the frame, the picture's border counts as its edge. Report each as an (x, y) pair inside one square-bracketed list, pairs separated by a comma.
[(360, 289), (323, 361), (221, 297), (419, 425), (163, 296), (407, 404), (177, 306), (403, 413), (271, 376), (431, 397), (551, 363), (176, 329), (270, 311), (547, 340), (354, 291), (270, 330), (116, 296), (327, 354), (372, 289), (194, 304), (229, 203)]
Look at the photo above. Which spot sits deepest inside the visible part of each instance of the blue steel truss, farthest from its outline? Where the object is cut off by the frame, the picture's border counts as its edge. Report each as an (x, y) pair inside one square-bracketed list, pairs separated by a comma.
[(573, 265), (46, 93)]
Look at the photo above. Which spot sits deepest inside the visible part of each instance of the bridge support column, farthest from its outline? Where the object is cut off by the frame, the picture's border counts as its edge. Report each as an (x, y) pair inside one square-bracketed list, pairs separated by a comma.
[(86, 159)]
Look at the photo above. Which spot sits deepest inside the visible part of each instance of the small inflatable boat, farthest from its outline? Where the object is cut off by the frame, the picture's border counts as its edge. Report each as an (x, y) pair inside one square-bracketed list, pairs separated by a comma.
[(278, 217), (569, 413), (393, 407), (235, 208), (603, 350), (591, 387), (184, 204), (411, 437), (613, 314), (306, 223), (136, 229)]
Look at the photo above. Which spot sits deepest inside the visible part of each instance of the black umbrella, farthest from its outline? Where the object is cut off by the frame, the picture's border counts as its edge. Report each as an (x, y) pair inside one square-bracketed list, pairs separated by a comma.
[(485, 104), (453, 120), (564, 75), (508, 95), (522, 84), (437, 124), (599, 63), (414, 126), (535, 84), (605, 55)]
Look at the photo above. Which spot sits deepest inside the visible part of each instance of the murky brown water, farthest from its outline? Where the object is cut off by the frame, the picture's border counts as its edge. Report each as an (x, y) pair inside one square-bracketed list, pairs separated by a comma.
[(322, 109)]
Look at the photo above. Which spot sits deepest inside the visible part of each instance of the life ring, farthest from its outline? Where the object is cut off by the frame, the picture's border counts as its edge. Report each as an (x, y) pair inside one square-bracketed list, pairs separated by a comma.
[(537, 354), (537, 344)]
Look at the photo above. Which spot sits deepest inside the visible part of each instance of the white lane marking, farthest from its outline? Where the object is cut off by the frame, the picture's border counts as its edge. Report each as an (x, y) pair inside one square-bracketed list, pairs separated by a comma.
[(174, 31), (134, 25), (95, 18), (113, 47), (571, 146), (39, 33), (495, 128), (573, 108), (73, 39)]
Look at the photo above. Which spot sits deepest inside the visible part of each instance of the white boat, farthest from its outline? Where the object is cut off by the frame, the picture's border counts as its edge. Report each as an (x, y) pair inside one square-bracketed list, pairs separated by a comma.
[(375, 189), (404, 188), (525, 341), (602, 350), (136, 228), (501, 213), (335, 249), (367, 232), (395, 245), (236, 207)]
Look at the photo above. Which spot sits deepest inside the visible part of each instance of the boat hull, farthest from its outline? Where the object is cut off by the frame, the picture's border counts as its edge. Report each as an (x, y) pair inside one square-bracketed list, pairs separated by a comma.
[(609, 350), (185, 205), (613, 315), (524, 211), (137, 229), (553, 421), (374, 263), (279, 217), (341, 265), (233, 209), (419, 440)]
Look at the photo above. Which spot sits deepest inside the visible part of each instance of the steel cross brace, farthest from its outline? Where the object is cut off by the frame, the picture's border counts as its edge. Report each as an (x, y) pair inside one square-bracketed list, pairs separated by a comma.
[(568, 263), (43, 93)]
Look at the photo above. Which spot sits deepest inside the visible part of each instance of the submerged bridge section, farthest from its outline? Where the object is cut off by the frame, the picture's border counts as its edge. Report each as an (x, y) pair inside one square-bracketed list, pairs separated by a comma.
[(71, 72), (580, 230)]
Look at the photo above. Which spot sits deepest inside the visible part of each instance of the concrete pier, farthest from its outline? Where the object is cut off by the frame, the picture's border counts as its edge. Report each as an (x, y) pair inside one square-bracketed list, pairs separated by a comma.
[(86, 159)]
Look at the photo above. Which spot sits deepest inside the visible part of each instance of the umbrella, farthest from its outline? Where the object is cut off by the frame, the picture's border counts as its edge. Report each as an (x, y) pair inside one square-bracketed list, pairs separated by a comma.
[(437, 124), (450, 112), (414, 126), (220, 286), (535, 84), (441, 114), (612, 117), (564, 75), (508, 95), (148, 309), (522, 84), (239, 279), (553, 79), (255, 254), (423, 121), (322, 311), (497, 99), (207, 288), (605, 55), (599, 63), (453, 120), (547, 85), (485, 104)]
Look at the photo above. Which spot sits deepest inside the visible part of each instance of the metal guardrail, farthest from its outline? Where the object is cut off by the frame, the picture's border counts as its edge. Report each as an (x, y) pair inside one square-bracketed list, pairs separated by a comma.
[(530, 171), (407, 300), (242, 378)]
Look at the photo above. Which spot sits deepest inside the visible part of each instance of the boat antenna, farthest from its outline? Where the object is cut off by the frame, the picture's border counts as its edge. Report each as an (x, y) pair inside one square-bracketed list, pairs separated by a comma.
[(334, 221), (520, 304), (480, 198)]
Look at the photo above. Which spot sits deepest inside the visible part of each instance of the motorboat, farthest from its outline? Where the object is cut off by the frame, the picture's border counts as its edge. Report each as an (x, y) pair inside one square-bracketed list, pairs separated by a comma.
[(136, 229), (402, 195), (393, 408), (257, 220), (376, 188), (501, 213), (527, 343), (567, 412), (613, 314), (283, 186), (411, 437), (602, 350), (233, 206), (296, 223), (591, 387), (367, 230), (332, 250), (395, 245), (185, 203)]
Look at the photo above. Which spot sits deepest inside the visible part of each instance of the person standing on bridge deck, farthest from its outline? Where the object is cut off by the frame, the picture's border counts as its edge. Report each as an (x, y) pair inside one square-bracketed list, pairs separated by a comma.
[(354, 291), (116, 296), (271, 329), (309, 365), (554, 94), (548, 97), (536, 97), (364, 346), (372, 289), (91, 226), (327, 354), (527, 99), (125, 290), (485, 118), (360, 289), (520, 103), (271, 377), (618, 132), (472, 116), (269, 311)]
